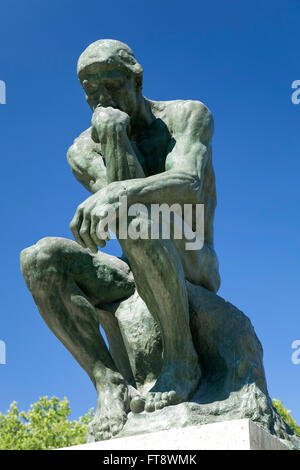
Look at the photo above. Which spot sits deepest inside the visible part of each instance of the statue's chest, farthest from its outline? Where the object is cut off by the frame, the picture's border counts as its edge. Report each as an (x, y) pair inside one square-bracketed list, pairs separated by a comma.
[(153, 147)]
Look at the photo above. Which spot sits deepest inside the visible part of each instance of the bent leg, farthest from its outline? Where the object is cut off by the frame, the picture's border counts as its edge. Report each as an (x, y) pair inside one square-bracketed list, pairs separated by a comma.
[(160, 281), (66, 282)]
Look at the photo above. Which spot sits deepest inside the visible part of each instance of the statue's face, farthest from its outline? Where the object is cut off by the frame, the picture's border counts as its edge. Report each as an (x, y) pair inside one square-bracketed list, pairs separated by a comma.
[(109, 84)]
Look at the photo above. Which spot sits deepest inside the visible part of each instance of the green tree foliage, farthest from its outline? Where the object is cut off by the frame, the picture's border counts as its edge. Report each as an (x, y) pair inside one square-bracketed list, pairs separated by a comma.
[(286, 416), (44, 426)]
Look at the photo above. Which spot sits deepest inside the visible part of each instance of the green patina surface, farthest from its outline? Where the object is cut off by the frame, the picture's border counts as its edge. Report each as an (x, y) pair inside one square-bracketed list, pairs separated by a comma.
[(178, 354)]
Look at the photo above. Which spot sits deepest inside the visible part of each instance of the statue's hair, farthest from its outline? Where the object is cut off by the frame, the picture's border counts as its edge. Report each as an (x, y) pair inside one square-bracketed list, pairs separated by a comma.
[(111, 50)]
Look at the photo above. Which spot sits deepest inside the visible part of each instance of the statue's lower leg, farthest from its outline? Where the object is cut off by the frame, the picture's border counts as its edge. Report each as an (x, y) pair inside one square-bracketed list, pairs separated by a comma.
[(160, 282), (73, 319)]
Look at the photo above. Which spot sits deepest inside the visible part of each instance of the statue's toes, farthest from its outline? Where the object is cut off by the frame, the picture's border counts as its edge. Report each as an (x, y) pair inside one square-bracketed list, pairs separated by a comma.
[(173, 398), (165, 399), (150, 402), (137, 404), (160, 404), (150, 405), (154, 401), (158, 401)]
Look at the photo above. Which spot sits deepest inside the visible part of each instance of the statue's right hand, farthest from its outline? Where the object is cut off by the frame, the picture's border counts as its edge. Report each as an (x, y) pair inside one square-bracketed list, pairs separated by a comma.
[(106, 122)]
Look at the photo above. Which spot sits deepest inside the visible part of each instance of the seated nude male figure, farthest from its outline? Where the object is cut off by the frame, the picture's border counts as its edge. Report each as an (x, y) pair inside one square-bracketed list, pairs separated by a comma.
[(150, 152)]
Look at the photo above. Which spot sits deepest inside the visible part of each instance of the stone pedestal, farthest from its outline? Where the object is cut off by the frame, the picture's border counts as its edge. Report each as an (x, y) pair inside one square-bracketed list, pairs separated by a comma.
[(240, 434)]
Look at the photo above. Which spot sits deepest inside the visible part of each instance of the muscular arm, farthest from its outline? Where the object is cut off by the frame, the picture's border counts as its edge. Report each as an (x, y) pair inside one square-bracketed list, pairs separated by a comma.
[(109, 128), (191, 125), (192, 129), (93, 170)]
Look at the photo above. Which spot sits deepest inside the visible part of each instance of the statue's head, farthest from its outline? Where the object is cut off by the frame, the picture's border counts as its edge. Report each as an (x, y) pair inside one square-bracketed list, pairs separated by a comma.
[(110, 75)]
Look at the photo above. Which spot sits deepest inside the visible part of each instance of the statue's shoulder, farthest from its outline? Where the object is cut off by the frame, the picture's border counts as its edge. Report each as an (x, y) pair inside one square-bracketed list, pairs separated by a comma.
[(181, 114)]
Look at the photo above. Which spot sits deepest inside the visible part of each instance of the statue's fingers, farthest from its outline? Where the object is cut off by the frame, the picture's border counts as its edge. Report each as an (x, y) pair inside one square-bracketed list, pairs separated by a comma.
[(85, 235), (75, 226), (102, 232), (99, 226), (93, 231)]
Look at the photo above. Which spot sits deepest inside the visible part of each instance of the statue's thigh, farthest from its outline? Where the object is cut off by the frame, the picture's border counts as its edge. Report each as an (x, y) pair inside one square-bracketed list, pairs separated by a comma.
[(102, 278)]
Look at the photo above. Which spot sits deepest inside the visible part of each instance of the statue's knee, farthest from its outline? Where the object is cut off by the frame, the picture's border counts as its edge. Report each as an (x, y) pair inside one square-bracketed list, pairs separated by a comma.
[(41, 261)]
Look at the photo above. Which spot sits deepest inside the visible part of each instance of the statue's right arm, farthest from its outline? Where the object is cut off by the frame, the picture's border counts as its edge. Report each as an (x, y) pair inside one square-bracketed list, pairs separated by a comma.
[(87, 163)]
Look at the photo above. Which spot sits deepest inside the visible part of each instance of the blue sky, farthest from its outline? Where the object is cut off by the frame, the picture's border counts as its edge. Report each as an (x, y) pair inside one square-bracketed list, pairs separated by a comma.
[(240, 59)]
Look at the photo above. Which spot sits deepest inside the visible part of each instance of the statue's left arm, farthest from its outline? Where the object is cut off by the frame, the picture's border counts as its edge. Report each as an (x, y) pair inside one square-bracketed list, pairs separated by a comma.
[(192, 131)]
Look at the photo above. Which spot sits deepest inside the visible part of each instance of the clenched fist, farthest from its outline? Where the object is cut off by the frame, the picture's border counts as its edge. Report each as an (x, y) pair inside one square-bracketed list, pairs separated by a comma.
[(107, 123)]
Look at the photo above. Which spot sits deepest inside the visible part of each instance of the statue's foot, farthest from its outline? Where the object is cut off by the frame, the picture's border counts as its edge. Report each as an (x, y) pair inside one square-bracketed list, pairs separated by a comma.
[(176, 383), (113, 406)]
